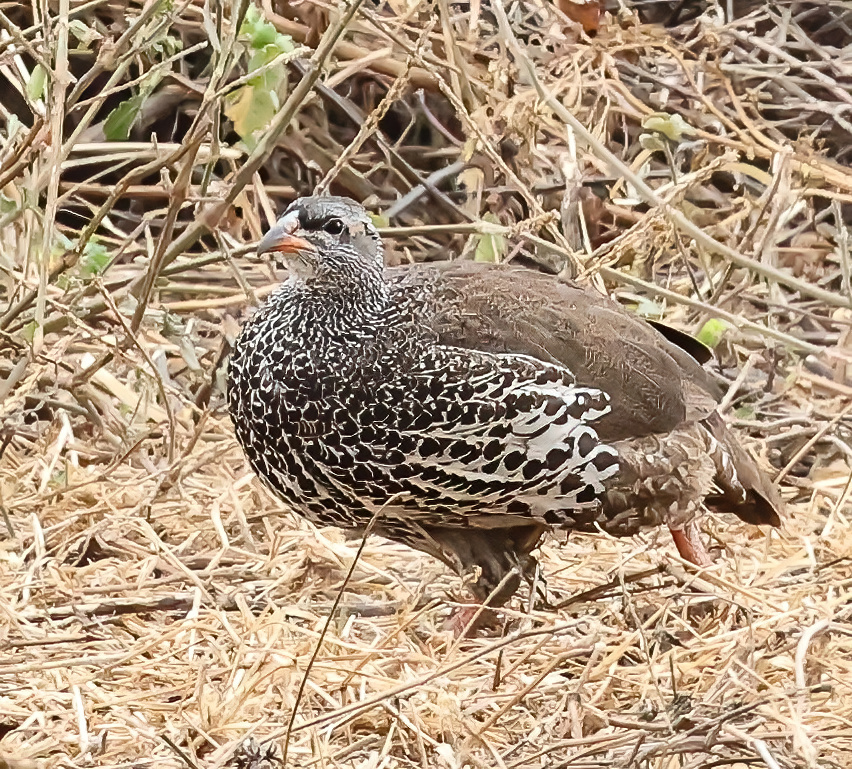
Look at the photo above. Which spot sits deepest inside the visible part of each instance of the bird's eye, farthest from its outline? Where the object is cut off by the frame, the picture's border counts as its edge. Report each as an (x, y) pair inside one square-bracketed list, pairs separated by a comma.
[(334, 226)]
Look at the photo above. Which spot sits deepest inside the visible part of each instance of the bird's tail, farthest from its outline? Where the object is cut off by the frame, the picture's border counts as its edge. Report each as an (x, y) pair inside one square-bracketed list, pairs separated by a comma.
[(744, 489)]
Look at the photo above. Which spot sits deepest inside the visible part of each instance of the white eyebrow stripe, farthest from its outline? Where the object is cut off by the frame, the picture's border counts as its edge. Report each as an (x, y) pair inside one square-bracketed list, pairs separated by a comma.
[(290, 221)]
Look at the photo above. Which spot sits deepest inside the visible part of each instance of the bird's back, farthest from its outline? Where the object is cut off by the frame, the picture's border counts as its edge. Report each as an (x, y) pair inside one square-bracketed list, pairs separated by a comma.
[(506, 309)]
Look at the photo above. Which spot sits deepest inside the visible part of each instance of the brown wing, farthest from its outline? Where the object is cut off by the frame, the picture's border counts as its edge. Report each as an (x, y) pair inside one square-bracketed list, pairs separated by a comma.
[(653, 385)]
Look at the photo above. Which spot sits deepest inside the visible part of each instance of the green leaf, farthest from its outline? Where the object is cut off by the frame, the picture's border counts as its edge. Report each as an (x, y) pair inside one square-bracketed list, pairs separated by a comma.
[(85, 35), (166, 45), (651, 142), (119, 122), (252, 107), (61, 244), (172, 325), (256, 28), (7, 205), (64, 281), (94, 260), (36, 83), (491, 246), (712, 332), (673, 127), (744, 412), (28, 332), (379, 221), (260, 33)]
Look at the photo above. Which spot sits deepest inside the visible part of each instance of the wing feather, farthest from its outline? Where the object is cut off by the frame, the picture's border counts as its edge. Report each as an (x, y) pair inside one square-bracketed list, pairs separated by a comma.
[(463, 431)]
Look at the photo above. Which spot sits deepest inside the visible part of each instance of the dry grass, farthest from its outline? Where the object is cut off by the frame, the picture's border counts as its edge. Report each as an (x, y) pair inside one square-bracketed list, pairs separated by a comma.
[(159, 608)]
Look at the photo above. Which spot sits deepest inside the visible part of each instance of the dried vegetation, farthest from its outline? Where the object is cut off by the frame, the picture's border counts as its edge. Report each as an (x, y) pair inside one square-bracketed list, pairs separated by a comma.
[(158, 608)]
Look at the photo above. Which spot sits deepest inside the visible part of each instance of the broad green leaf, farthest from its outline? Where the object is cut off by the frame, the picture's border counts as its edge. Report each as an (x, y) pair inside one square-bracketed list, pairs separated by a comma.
[(119, 122), (61, 244), (172, 325), (712, 332), (252, 106), (14, 126), (36, 83), (166, 45), (251, 109), (65, 281)]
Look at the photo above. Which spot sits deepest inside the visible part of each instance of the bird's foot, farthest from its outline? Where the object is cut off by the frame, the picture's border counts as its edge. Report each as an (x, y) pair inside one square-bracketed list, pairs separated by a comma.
[(689, 545), (468, 621)]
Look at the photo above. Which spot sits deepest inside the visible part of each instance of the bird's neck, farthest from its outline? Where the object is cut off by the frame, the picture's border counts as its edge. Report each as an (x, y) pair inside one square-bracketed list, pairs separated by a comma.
[(351, 300)]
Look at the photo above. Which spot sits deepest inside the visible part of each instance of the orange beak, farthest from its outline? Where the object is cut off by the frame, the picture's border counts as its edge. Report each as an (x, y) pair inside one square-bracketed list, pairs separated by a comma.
[(280, 239)]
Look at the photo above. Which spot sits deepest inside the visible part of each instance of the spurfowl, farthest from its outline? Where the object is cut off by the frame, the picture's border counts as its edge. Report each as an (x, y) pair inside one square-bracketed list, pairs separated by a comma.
[(472, 407)]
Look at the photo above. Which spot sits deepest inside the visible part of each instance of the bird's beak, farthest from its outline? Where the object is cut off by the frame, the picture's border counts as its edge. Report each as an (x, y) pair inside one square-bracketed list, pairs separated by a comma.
[(281, 238)]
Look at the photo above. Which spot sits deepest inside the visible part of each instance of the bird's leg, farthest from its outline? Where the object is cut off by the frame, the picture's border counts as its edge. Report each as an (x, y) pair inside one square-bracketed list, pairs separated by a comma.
[(538, 586), (467, 620), (502, 557), (515, 566), (689, 544)]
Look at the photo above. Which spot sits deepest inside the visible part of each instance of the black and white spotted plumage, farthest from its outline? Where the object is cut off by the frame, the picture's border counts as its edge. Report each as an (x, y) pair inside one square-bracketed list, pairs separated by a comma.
[(356, 392)]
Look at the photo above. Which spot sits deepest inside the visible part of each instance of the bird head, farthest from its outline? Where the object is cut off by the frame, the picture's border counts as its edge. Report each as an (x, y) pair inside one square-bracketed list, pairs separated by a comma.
[(325, 238)]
